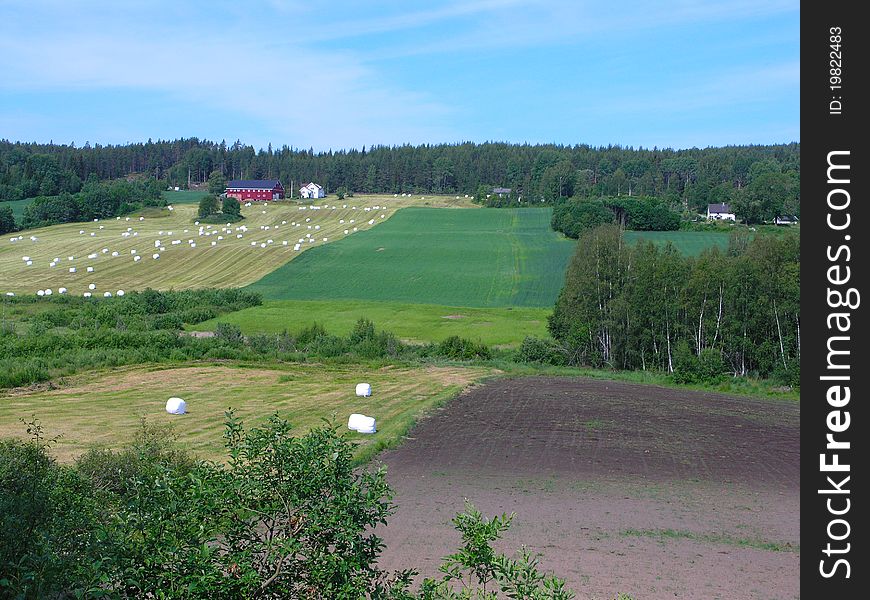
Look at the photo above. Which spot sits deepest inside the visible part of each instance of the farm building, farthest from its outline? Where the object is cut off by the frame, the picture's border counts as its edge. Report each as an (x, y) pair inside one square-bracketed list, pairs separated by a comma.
[(501, 191), (312, 190), (786, 220), (255, 189), (720, 212)]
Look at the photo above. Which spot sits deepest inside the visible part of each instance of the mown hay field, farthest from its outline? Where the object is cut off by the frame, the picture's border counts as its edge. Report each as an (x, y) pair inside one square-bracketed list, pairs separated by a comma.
[(475, 258), (416, 323), (105, 409), (212, 262)]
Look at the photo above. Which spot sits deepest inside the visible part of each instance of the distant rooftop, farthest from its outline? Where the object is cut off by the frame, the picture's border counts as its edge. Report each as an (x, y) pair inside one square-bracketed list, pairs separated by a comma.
[(248, 184)]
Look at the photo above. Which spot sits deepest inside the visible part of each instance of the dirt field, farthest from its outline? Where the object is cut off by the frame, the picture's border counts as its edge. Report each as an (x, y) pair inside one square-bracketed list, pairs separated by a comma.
[(623, 488)]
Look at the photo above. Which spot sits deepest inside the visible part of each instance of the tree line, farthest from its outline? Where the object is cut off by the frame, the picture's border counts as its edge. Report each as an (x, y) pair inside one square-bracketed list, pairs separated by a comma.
[(703, 318), (576, 215), (689, 178), (95, 200)]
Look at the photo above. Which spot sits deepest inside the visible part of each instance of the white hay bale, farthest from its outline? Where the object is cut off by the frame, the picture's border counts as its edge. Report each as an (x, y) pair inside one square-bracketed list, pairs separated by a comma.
[(214, 243), (195, 223), (48, 292), (355, 229), (70, 257), (120, 293), (193, 244), (297, 246), (87, 294), (284, 243), (239, 236), (162, 249), (363, 389), (10, 293), (72, 269), (40, 293), (137, 258), (155, 256), (262, 245), (141, 218), (90, 269), (115, 253), (361, 423), (61, 290), (29, 263), (107, 294), (176, 406), (345, 232), (132, 252), (93, 234), (371, 221), (25, 258), (92, 286)]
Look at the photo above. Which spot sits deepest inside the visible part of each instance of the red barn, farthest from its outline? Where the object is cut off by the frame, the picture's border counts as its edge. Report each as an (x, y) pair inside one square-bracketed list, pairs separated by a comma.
[(255, 189)]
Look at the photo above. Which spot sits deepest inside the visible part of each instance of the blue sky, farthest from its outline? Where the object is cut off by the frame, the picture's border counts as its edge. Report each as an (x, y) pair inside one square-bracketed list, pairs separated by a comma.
[(345, 74)]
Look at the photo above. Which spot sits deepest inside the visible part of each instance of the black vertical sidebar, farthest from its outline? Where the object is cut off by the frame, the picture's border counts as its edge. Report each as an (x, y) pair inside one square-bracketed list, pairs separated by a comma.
[(835, 362)]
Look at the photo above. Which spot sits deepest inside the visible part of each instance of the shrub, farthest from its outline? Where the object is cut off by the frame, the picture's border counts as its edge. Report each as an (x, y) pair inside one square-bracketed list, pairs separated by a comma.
[(229, 334), (539, 350), (458, 348)]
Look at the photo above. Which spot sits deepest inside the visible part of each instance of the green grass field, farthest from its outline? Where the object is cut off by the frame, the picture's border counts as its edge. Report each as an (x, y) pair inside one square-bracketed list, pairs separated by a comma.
[(411, 322), (230, 262), (690, 243), (104, 409), (184, 196), (476, 258)]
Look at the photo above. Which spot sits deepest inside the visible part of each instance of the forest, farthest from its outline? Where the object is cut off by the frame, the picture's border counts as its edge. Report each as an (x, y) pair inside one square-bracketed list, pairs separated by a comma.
[(700, 318), (761, 178)]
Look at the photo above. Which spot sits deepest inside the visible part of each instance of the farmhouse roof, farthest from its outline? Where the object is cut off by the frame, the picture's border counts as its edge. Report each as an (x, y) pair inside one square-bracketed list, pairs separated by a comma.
[(310, 184), (255, 184), (718, 208), (501, 190)]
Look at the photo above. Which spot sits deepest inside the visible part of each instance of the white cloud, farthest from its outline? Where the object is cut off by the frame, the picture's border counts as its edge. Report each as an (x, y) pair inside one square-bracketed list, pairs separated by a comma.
[(305, 96)]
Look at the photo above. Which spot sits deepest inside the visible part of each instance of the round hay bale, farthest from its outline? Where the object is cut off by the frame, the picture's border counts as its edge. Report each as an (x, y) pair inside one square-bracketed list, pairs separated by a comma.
[(363, 389)]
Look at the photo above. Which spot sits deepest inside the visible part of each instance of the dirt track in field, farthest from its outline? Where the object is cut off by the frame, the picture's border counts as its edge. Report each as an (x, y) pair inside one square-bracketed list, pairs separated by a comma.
[(623, 488)]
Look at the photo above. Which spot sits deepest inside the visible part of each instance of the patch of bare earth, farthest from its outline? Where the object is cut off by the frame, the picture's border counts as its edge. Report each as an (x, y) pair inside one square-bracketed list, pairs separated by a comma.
[(622, 487)]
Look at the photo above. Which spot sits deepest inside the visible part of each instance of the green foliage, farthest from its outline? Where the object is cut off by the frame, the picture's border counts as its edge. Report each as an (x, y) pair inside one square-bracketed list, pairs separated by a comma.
[(640, 214), (480, 572), (49, 521), (457, 348), (208, 206), (217, 183), (341, 192), (537, 350), (700, 317), (7, 220), (231, 207), (96, 200)]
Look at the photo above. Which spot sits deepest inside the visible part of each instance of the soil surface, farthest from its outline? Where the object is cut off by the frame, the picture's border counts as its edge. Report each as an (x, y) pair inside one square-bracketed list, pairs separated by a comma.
[(638, 489)]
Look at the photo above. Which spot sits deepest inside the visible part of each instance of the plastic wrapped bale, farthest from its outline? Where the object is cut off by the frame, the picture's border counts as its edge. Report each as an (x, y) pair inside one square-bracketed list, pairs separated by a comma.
[(361, 423), (176, 406), (363, 389)]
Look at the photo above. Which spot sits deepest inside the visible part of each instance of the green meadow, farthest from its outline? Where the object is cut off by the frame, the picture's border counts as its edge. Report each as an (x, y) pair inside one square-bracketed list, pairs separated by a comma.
[(500, 326), (690, 243), (474, 258)]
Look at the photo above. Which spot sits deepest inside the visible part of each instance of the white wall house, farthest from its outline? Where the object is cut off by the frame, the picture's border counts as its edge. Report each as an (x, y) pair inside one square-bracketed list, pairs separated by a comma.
[(312, 190), (720, 212)]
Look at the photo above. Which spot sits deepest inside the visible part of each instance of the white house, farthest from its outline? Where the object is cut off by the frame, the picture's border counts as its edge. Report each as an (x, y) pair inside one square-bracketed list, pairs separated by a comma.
[(312, 190), (785, 220), (720, 212)]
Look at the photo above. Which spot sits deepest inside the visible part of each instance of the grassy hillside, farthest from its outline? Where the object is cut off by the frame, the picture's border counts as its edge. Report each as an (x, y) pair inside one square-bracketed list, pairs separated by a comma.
[(412, 322), (478, 258), (184, 196), (230, 262)]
